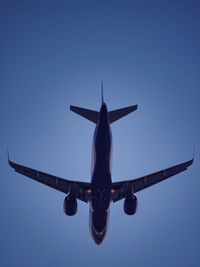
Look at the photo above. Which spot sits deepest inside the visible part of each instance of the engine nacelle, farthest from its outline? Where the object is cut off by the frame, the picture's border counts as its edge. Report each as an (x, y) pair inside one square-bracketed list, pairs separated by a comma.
[(130, 205), (70, 205)]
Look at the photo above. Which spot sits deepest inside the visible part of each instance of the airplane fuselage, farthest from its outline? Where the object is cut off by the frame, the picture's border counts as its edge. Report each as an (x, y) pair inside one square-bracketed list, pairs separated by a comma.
[(100, 192), (101, 177)]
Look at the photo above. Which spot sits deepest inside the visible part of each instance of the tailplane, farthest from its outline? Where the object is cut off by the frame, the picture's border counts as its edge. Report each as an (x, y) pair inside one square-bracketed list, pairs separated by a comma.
[(89, 114), (93, 115), (117, 114)]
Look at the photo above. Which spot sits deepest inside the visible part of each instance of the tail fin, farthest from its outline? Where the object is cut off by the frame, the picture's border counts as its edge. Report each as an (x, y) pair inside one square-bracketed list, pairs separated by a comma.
[(117, 114), (91, 115), (102, 100)]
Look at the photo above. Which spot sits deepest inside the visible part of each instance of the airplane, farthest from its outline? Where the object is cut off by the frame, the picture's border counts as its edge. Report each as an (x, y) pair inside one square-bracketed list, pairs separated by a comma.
[(101, 191)]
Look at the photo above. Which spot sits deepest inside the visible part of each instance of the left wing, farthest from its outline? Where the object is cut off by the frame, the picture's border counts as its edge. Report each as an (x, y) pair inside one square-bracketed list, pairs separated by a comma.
[(81, 190), (122, 189)]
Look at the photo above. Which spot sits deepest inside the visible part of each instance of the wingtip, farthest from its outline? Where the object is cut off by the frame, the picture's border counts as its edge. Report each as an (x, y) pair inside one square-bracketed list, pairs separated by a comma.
[(192, 159), (8, 156), (190, 162), (193, 151), (134, 107), (9, 161)]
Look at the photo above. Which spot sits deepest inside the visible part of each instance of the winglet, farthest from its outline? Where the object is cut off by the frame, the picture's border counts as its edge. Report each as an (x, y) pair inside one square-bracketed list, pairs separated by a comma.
[(102, 99), (192, 160), (193, 151), (8, 156)]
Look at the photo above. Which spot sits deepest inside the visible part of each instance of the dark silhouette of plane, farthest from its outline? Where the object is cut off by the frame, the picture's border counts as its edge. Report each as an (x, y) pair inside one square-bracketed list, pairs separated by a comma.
[(101, 191)]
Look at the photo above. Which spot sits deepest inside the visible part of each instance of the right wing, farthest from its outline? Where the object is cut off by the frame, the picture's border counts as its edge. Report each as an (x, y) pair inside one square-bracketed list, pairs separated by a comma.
[(81, 190), (123, 189)]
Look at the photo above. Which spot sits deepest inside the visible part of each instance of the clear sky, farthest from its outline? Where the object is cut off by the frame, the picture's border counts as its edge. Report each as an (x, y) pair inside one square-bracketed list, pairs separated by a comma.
[(55, 53)]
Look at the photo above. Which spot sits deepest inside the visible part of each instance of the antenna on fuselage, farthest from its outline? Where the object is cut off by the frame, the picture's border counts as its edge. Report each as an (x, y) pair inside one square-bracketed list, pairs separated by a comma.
[(102, 100)]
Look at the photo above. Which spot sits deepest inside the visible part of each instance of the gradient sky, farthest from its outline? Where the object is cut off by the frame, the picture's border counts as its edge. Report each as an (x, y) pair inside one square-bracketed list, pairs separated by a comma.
[(55, 53)]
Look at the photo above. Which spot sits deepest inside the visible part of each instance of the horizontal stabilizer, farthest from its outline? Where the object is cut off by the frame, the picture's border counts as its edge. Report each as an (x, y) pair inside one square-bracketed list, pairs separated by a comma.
[(91, 115), (117, 114)]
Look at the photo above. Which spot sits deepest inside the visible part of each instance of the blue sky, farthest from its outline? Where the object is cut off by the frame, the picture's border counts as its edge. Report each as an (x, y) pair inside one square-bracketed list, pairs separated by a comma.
[(55, 53)]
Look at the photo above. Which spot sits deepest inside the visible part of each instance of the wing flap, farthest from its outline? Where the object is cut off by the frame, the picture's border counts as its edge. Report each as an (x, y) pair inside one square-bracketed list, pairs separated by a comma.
[(66, 186), (124, 188), (154, 178)]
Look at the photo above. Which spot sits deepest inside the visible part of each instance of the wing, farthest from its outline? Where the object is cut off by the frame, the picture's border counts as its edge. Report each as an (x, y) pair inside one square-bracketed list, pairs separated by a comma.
[(80, 189), (122, 189)]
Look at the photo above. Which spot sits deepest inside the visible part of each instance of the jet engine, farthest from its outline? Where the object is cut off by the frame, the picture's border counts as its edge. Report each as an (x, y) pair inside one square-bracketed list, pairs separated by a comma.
[(70, 205), (130, 205)]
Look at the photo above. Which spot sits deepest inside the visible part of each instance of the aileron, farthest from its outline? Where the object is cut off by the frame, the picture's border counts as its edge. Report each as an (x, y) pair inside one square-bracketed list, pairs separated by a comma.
[(136, 185), (60, 184)]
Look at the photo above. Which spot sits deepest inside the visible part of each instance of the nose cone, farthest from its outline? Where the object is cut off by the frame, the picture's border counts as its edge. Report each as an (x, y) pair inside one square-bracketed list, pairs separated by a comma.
[(99, 226), (98, 236), (99, 222)]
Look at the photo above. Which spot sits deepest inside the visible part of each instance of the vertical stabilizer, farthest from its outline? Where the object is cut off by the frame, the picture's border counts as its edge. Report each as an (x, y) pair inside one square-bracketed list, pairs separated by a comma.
[(102, 100)]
